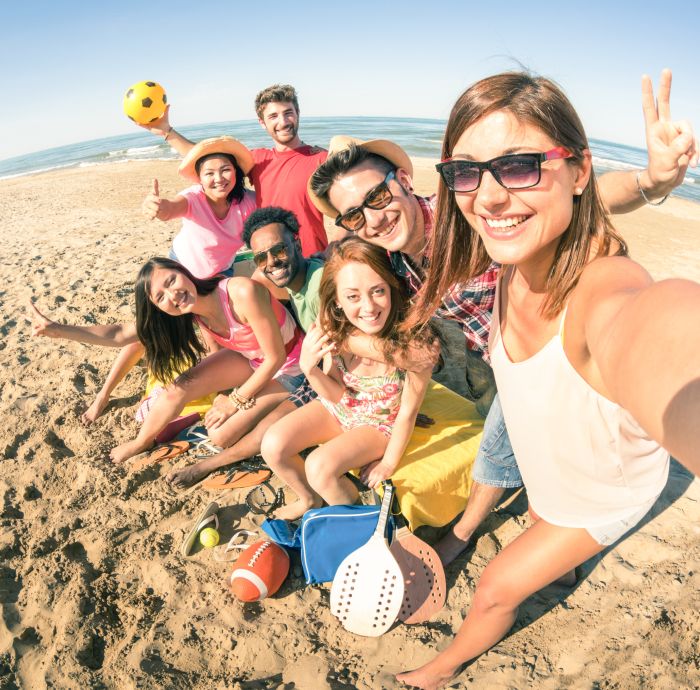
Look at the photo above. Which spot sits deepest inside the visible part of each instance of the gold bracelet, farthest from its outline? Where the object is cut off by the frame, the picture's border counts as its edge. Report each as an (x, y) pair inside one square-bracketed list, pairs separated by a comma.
[(644, 196), (239, 402)]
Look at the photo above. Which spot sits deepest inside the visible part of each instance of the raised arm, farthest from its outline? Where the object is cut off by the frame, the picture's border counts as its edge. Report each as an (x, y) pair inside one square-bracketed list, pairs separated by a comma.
[(162, 128), (416, 358), (155, 206), (644, 339), (671, 147)]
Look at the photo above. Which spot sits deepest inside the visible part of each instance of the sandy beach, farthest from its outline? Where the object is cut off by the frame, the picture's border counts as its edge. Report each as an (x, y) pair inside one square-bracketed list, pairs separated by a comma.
[(93, 590)]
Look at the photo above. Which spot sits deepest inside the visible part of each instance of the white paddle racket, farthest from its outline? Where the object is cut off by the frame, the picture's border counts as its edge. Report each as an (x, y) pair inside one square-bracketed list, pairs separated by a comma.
[(425, 588), (367, 590)]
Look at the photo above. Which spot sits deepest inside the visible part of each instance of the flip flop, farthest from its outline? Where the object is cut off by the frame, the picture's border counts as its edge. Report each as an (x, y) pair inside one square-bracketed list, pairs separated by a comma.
[(237, 478), (259, 504), (237, 542), (207, 518), (161, 453)]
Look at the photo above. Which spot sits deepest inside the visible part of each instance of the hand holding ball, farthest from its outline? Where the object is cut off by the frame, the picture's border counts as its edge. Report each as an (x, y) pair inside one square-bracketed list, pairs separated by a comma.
[(208, 537), (145, 102)]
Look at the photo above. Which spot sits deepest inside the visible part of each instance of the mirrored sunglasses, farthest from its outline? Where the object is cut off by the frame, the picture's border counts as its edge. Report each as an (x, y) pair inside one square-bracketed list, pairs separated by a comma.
[(377, 198), (277, 251)]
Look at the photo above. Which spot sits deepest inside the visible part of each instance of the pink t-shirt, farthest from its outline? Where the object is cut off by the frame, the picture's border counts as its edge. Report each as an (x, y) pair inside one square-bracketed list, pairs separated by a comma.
[(206, 244), (280, 179)]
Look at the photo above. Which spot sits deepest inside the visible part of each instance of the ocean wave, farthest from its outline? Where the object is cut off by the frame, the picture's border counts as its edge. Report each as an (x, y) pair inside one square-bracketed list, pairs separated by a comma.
[(610, 164), (37, 171)]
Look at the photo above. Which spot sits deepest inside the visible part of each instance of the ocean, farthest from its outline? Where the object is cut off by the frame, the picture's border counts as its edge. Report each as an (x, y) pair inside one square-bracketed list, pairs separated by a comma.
[(418, 137)]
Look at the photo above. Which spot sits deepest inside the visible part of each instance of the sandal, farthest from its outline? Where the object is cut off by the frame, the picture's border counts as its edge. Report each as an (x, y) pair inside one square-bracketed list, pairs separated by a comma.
[(237, 542), (163, 452), (206, 518), (243, 474), (258, 502)]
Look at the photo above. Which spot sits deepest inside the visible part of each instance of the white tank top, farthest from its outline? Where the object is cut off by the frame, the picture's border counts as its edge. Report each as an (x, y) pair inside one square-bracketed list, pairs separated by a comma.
[(584, 460)]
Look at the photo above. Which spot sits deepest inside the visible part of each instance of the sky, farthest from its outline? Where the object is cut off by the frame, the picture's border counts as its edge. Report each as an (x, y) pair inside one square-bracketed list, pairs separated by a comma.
[(67, 64)]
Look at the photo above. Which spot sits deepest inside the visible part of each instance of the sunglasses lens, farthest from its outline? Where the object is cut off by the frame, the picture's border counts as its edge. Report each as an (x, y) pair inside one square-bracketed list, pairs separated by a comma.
[(379, 197), (460, 176), (353, 220), (278, 251), (517, 172)]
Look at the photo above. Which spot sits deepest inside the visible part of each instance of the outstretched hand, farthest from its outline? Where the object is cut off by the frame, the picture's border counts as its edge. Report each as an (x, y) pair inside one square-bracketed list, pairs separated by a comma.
[(161, 126), (152, 203), (41, 325), (671, 145)]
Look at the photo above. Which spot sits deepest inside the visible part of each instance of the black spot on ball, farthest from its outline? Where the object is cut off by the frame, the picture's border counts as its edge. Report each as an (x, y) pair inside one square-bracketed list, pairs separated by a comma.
[(150, 83), (165, 98), (130, 93), (146, 102), (131, 118), (153, 119)]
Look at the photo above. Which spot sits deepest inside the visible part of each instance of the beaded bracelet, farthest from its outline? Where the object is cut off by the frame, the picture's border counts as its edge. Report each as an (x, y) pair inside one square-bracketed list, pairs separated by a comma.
[(168, 133), (239, 402), (644, 196)]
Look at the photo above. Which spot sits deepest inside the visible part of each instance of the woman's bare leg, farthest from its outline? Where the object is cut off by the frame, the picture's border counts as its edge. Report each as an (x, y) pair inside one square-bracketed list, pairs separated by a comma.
[(305, 427), (219, 371), (537, 558), (327, 465), (126, 360)]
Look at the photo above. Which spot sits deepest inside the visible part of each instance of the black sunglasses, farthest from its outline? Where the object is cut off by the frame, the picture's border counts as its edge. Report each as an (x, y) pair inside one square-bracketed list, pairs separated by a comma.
[(514, 171), (277, 251), (377, 198)]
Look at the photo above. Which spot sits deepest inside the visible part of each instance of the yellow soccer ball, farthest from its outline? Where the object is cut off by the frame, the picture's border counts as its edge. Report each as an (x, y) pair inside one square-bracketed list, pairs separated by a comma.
[(208, 537), (145, 102)]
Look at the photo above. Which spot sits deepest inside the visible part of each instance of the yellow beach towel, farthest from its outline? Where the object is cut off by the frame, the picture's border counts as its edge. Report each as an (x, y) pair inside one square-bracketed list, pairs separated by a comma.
[(201, 405), (434, 478)]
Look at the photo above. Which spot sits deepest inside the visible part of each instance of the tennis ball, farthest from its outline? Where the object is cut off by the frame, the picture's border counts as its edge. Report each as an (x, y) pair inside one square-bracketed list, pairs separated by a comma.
[(208, 537)]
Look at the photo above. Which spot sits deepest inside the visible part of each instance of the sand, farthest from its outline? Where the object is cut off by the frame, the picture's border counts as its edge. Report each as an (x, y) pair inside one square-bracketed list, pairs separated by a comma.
[(93, 591)]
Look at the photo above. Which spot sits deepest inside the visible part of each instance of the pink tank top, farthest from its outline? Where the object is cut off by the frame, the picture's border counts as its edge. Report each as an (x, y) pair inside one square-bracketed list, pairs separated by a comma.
[(242, 339), (585, 461)]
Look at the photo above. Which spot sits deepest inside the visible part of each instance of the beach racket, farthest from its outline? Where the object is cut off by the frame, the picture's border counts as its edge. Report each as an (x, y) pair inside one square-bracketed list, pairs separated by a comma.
[(425, 588), (367, 590)]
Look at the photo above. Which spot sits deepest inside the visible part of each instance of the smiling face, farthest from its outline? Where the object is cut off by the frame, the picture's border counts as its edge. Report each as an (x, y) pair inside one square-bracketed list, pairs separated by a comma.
[(217, 176), (394, 227), (279, 268), (518, 225), (281, 121), (364, 297), (171, 291)]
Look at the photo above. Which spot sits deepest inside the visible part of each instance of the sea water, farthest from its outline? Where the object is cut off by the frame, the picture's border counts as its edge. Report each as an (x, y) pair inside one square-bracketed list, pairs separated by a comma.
[(419, 137)]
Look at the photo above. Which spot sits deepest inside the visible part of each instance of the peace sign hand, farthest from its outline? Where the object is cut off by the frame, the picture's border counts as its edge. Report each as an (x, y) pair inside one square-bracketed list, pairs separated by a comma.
[(41, 325), (671, 146)]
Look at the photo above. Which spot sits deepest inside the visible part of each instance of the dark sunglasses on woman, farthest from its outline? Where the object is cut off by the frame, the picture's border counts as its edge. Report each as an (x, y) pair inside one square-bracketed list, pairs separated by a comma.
[(514, 171)]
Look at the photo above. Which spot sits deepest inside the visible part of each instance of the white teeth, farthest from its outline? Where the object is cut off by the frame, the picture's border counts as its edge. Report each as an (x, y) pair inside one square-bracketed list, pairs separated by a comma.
[(504, 222)]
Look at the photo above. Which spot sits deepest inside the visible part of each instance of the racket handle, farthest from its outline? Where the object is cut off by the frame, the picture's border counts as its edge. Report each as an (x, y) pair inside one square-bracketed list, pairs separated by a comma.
[(386, 507)]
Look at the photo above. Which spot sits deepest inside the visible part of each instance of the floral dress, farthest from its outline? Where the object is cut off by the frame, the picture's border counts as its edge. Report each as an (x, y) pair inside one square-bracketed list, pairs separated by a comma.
[(368, 400)]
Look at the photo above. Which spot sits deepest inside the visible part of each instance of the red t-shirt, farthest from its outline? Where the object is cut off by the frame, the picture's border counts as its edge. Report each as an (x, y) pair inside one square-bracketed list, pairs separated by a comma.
[(280, 179)]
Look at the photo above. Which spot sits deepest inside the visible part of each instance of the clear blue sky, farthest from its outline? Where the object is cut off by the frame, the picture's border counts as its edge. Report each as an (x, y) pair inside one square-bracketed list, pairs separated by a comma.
[(66, 63)]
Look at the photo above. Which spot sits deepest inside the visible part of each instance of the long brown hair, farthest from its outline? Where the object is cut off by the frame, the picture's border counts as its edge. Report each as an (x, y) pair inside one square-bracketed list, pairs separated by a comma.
[(335, 323), (171, 343), (539, 102)]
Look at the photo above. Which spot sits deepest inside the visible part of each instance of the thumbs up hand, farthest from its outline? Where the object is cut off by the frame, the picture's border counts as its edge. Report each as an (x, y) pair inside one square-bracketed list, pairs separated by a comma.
[(152, 203)]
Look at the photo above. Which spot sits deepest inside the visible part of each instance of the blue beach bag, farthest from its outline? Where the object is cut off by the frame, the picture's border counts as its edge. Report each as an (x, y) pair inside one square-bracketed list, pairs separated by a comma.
[(327, 535)]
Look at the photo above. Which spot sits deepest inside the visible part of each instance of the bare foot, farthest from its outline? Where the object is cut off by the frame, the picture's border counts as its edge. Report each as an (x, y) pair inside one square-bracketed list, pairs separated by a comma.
[(450, 546), (95, 410), (425, 678), (123, 452), (295, 510), (187, 476)]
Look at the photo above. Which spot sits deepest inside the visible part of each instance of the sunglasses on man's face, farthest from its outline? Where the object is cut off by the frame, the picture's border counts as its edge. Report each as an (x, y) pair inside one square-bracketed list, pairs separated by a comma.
[(514, 171), (377, 198), (277, 251)]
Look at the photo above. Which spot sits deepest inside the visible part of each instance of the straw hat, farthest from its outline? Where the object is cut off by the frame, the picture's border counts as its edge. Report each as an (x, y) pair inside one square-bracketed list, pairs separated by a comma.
[(243, 156), (381, 147)]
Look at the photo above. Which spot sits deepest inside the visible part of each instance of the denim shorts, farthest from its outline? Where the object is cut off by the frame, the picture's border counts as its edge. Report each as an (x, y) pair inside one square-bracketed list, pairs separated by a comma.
[(495, 463), (608, 534), (303, 394), (290, 382)]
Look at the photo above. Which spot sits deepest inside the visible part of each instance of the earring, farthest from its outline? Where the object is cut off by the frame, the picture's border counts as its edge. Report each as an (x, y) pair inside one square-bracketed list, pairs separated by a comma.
[(578, 191)]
